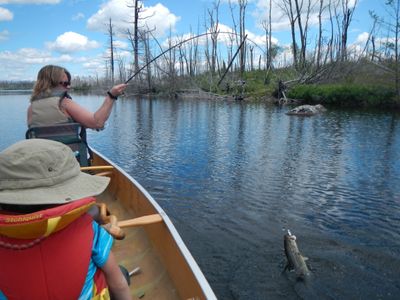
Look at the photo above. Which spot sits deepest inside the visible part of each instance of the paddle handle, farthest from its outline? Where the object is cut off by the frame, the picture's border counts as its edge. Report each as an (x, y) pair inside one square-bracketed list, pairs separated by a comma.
[(145, 220), (114, 227), (96, 168)]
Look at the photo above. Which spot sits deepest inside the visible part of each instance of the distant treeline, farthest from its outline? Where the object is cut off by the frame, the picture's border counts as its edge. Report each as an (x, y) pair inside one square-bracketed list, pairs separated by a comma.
[(16, 85)]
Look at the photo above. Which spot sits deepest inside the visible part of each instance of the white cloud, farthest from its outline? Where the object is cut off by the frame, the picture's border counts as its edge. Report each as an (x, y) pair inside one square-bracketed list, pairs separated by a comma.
[(259, 39), (94, 65), (4, 35), (5, 15), (279, 21), (120, 45), (26, 62), (358, 47), (26, 55), (72, 42), (121, 50), (362, 38), (156, 17), (160, 18), (78, 16), (30, 1)]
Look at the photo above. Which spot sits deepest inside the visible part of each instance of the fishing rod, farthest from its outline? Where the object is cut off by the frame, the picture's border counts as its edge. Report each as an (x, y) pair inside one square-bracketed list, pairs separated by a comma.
[(179, 44)]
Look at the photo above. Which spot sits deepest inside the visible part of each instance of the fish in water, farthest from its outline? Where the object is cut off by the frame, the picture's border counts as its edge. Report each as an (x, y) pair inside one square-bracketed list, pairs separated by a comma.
[(296, 261)]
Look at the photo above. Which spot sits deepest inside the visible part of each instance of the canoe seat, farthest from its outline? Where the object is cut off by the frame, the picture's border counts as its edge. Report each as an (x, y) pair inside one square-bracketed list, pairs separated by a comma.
[(71, 134)]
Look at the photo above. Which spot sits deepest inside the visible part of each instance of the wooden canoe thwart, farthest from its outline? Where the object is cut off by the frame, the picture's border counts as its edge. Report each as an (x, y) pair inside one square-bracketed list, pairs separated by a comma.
[(150, 241), (295, 261)]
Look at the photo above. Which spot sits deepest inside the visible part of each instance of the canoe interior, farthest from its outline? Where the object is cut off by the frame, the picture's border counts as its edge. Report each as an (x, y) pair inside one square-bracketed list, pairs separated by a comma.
[(165, 273)]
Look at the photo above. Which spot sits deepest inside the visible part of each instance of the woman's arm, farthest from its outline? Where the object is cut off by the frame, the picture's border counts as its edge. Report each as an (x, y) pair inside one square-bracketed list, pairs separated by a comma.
[(88, 119), (117, 284)]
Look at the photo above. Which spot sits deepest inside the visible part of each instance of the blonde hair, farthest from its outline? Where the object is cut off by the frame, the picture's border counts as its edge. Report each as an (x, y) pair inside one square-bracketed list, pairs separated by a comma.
[(48, 78)]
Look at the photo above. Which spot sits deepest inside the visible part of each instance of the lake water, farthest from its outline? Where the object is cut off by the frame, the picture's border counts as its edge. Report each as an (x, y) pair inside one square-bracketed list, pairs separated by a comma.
[(233, 177)]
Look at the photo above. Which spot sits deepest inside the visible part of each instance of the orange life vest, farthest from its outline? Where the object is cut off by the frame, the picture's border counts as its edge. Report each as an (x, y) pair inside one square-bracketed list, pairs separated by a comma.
[(46, 254)]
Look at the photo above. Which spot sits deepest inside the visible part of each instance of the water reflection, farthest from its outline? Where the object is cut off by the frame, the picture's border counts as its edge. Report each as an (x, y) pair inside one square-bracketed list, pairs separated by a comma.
[(234, 176)]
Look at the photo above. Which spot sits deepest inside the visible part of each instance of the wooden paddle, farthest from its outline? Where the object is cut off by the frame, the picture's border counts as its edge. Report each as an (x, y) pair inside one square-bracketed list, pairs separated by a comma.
[(114, 227), (139, 221), (95, 168)]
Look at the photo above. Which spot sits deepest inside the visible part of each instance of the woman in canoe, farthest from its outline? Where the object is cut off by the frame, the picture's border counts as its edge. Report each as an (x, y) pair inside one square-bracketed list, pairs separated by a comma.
[(51, 104), (50, 247)]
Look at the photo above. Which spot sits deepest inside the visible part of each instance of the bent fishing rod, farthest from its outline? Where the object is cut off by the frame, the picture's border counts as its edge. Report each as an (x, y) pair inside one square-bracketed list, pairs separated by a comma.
[(179, 44)]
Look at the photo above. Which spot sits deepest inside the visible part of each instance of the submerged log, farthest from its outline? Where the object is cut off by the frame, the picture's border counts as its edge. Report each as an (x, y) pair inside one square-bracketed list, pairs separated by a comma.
[(295, 261), (307, 110)]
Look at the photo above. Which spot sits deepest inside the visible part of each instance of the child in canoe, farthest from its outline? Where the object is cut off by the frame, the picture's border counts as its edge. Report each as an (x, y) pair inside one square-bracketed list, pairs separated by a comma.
[(50, 247)]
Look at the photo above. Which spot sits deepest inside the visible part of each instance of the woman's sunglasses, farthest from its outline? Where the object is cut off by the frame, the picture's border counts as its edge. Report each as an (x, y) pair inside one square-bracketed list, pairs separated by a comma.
[(65, 83)]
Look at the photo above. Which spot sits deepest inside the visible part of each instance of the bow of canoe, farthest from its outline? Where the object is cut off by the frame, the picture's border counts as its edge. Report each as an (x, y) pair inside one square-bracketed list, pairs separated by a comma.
[(167, 268)]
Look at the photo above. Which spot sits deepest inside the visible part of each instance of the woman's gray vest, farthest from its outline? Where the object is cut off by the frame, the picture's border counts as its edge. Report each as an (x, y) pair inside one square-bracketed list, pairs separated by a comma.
[(49, 122), (46, 111)]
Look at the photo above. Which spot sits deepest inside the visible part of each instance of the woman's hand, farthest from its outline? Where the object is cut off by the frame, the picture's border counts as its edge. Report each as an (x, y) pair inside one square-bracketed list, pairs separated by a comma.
[(118, 90)]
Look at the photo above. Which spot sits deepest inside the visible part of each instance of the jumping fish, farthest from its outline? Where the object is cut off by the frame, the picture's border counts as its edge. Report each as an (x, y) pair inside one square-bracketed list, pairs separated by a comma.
[(296, 261)]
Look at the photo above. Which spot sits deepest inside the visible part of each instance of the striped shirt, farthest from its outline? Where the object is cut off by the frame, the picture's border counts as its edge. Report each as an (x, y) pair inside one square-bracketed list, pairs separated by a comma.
[(102, 243)]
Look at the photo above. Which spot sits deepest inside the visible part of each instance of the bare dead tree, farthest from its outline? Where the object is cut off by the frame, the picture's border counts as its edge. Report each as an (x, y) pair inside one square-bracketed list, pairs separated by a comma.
[(373, 54), (131, 39), (251, 48), (347, 15), (193, 57), (242, 33), (134, 36), (182, 60), (121, 70), (171, 65), (230, 44), (329, 51), (391, 23), (214, 23), (166, 59), (303, 41), (303, 16), (370, 40), (111, 35), (395, 5), (319, 39), (235, 26), (145, 38), (267, 26), (269, 48), (135, 40), (207, 57), (287, 7)]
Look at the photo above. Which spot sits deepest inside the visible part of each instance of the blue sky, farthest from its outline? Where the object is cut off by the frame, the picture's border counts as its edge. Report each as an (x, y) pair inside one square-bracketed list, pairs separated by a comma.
[(72, 33)]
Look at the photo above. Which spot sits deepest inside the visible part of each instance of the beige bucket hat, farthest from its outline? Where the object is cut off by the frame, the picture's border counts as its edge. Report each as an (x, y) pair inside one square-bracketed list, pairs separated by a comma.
[(39, 171)]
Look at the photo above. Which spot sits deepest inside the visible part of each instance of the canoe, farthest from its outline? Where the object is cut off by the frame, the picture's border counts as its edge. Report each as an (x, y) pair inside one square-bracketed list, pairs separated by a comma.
[(167, 268)]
